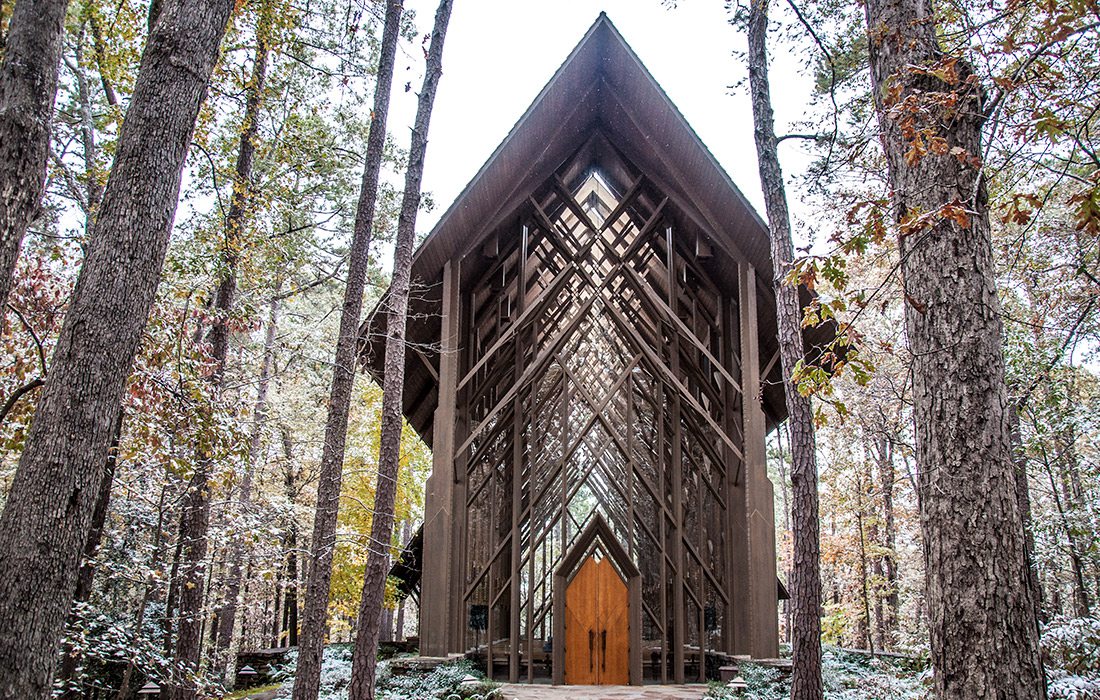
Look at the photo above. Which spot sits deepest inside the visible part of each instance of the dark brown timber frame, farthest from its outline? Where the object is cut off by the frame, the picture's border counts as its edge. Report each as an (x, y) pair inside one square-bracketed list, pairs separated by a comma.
[(592, 334)]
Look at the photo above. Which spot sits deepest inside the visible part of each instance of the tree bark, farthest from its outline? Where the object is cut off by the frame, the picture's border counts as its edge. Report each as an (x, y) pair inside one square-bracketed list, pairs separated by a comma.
[(888, 560), (1023, 499), (315, 622), (982, 612), (235, 221), (28, 86), (805, 601), (365, 657), (69, 659), (45, 521)]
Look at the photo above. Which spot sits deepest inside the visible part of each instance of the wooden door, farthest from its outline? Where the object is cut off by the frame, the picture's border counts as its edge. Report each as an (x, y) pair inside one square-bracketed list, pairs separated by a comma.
[(597, 626)]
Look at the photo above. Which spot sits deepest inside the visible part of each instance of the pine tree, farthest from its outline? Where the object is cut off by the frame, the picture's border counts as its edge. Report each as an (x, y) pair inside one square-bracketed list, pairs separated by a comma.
[(365, 658), (982, 609), (308, 672), (806, 568)]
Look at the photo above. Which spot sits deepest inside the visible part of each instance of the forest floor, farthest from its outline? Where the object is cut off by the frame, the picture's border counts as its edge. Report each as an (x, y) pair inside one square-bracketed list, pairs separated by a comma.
[(267, 692)]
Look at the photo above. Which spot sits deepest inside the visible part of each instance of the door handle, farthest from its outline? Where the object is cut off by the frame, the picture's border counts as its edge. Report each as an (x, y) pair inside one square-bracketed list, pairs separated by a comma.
[(603, 650), (591, 649)]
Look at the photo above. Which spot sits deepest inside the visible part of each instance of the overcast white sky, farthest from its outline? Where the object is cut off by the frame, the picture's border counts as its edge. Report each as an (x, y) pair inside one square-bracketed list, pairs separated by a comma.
[(500, 53)]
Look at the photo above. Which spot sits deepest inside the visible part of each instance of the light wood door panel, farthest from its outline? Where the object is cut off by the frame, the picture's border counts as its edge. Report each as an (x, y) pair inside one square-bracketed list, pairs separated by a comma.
[(614, 601), (597, 626), (581, 620)]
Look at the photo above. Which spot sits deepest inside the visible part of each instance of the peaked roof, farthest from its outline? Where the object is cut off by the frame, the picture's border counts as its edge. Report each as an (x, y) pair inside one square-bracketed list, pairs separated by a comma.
[(601, 90), (601, 82)]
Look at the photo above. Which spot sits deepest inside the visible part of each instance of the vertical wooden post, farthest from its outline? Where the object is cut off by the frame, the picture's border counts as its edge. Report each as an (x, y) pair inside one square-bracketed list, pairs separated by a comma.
[(677, 477), (459, 512), (762, 597), (518, 450), (729, 529), (435, 598), (739, 527)]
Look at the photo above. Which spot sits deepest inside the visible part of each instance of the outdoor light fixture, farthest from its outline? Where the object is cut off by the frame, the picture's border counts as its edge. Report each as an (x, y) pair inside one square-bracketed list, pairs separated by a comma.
[(468, 681), (149, 690), (738, 684)]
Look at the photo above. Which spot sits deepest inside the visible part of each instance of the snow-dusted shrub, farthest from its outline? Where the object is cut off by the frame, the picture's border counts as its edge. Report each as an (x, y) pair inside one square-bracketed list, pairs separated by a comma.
[(848, 676), (335, 672), (845, 676), (442, 683), (1067, 686), (1072, 645), (1071, 654)]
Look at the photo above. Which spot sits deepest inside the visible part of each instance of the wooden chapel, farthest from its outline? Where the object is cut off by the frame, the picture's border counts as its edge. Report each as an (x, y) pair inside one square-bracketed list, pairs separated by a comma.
[(593, 360)]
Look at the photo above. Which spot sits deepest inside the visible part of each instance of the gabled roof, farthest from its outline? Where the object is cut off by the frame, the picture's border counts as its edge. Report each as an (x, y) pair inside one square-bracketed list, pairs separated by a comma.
[(601, 82), (602, 89)]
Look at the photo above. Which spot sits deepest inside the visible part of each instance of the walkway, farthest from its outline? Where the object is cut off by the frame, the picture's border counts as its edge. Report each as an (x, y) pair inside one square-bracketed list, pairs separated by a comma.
[(605, 692)]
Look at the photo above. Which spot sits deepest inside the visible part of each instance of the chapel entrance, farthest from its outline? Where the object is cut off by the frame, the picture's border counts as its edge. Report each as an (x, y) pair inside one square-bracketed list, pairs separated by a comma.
[(597, 626)]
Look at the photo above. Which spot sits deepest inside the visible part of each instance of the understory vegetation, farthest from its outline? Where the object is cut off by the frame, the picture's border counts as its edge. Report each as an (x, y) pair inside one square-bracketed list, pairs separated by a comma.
[(1071, 648), (457, 680)]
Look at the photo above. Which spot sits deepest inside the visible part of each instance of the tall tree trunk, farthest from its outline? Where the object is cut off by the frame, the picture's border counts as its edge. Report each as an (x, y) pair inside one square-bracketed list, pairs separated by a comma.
[(1023, 498), (196, 524), (1072, 492), (982, 611), (192, 545), (28, 85), (234, 222), (93, 189), (872, 565), (45, 521), (289, 621), (289, 630), (365, 657), (806, 564), (1063, 503), (888, 560), (99, 52), (152, 588), (172, 595), (314, 625), (70, 660), (228, 615), (785, 499)]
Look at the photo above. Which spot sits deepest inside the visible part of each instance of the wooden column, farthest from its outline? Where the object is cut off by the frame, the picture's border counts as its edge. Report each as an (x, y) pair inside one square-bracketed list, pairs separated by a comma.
[(761, 596), (676, 467), (729, 524), (435, 589), (518, 452)]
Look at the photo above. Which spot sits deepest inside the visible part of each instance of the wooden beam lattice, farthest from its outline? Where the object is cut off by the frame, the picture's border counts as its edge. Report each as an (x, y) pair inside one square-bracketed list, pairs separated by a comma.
[(600, 380)]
